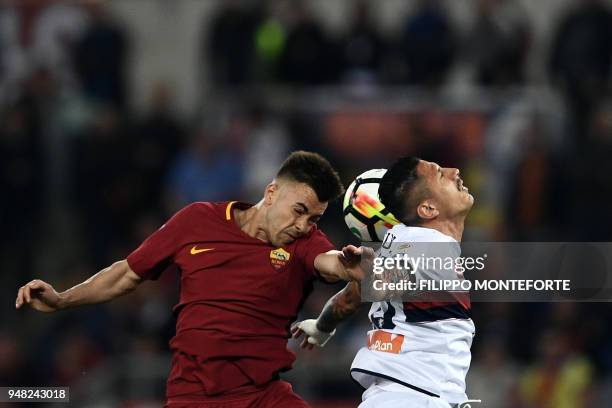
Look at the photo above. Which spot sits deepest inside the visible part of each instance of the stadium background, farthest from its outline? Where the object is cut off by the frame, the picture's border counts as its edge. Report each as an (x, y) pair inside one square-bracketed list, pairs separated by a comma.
[(115, 114)]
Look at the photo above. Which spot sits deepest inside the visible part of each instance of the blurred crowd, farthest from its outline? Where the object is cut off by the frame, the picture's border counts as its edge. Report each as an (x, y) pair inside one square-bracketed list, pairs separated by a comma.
[(85, 177)]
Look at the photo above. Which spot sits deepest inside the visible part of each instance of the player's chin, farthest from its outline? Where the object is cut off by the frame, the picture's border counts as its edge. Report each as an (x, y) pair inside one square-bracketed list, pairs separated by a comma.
[(465, 199), (285, 239), (469, 198), (462, 198)]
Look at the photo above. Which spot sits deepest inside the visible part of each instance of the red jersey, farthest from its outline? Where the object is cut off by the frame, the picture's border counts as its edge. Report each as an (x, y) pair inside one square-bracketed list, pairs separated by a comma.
[(238, 296)]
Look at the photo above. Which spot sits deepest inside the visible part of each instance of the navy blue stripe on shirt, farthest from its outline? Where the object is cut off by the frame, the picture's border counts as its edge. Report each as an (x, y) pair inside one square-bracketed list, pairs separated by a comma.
[(433, 314)]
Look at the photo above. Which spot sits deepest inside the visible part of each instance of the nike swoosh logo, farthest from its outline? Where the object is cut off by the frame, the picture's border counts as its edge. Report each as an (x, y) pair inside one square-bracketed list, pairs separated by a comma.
[(195, 250)]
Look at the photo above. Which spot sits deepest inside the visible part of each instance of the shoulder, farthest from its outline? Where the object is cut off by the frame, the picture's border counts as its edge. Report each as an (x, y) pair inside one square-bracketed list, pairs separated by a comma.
[(404, 233), (399, 232), (205, 208), (315, 242), (197, 212)]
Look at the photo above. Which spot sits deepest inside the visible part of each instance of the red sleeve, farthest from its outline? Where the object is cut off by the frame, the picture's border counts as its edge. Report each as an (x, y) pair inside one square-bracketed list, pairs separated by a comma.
[(156, 253), (318, 243)]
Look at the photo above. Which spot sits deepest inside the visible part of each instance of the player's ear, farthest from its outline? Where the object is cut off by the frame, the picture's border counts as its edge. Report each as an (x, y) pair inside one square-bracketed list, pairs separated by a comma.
[(428, 210), (270, 193)]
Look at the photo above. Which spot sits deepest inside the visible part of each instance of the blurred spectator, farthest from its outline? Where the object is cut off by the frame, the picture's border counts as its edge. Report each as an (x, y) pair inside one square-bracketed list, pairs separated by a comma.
[(22, 169), (75, 354), (586, 172), (11, 55), (561, 378), (210, 169), (230, 46), (57, 29), (307, 57), (37, 34), (604, 394), (13, 368), (267, 145), (122, 165), (270, 41), (492, 376), (362, 47), (100, 57), (427, 44), (581, 58), (435, 137), (158, 139), (498, 42), (104, 183), (532, 191)]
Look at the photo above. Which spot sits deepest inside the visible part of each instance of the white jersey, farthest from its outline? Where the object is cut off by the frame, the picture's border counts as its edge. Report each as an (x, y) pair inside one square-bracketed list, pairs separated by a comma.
[(424, 346)]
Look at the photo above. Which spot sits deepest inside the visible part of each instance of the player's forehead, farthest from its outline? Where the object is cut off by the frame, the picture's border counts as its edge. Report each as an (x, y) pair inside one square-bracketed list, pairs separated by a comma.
[(427, 168), (301, 194)]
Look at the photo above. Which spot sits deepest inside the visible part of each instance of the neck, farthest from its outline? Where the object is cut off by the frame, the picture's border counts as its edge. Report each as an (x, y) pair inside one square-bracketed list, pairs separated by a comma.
[(250, 221), (452, 228)]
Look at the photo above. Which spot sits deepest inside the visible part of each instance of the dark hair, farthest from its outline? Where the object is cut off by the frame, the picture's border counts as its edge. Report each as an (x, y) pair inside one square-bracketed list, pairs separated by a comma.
[(398, 190), (315, 171)]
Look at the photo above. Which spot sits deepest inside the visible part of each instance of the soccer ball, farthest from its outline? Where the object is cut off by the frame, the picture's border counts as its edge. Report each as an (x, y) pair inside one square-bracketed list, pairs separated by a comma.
[(364, 214)]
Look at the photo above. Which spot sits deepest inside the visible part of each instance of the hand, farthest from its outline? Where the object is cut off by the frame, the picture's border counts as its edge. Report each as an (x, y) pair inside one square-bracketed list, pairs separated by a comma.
[(352, 259), (39, 295), (312, 335)]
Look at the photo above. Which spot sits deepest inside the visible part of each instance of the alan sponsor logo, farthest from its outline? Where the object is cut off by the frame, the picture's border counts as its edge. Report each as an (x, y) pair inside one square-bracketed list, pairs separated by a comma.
[(383, 341), (279, 257)]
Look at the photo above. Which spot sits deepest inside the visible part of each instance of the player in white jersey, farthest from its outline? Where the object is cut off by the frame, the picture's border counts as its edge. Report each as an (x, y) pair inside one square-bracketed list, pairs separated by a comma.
[(418, 351)]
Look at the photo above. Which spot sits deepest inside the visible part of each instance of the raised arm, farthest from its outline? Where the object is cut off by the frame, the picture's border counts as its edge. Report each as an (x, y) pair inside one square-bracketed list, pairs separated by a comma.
[(114, 281), (339, 307)]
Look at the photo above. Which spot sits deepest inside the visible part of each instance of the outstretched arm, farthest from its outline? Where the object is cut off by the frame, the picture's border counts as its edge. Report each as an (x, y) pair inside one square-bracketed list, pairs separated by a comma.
[(114, 281), (339, 307)]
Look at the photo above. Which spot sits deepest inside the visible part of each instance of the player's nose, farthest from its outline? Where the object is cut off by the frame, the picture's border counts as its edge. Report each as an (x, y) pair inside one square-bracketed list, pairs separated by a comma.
[(300, 226)]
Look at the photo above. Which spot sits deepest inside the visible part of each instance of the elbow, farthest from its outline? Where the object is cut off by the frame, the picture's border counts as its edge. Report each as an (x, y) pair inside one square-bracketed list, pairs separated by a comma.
[(126, 280)]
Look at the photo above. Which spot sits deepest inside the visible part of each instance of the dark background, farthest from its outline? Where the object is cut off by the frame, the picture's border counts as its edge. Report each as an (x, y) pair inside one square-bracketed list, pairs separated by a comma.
[(115, 114)]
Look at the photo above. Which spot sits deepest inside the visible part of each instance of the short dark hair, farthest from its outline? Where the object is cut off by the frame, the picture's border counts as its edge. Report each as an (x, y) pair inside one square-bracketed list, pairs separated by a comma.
[(399, 191), (315, 171)]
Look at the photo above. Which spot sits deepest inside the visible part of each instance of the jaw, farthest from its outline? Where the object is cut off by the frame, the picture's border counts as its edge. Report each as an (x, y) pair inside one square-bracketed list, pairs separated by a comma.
[(470, 200), (279, 239), (285, 241), (467, 207), (463, 207)]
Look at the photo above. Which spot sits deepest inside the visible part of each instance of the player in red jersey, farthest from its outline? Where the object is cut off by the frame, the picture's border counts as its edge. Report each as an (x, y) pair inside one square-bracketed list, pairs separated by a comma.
[(245, 271)]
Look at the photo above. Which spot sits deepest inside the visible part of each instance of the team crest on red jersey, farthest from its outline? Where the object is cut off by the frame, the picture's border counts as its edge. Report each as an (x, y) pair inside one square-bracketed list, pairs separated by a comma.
[(279, 257)]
